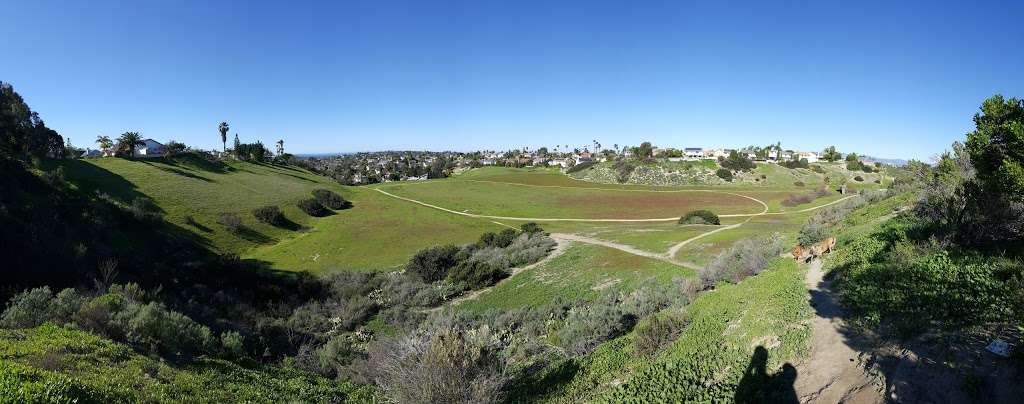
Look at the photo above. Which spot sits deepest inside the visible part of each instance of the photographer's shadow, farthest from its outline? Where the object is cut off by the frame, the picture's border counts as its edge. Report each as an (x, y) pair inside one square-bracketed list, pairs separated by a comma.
[(757, 386)]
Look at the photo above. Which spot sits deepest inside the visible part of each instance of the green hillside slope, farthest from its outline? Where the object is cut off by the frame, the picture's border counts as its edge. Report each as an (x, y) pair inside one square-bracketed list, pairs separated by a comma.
[(56, 364), (192, 193)]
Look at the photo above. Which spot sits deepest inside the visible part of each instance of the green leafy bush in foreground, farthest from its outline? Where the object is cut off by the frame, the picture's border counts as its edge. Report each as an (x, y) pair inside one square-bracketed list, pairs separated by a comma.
[(56, 364)]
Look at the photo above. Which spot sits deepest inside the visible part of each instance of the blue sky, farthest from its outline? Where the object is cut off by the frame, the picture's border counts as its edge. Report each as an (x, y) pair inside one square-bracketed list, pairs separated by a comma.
[(890, 79)]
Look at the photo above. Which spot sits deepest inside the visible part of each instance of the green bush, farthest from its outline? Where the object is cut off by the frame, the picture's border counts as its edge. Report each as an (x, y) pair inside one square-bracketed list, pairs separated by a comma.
[(799, 183), (312, 207), (232, 344), (28, 309), (331, 199), (858, 178), (432, 264), (269, 214), (475, 274), (724, 174), (658, 331), (700, 217)]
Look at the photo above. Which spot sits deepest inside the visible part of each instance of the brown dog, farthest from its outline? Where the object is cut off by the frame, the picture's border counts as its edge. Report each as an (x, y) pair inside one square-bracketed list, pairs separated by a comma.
[(801, 253)]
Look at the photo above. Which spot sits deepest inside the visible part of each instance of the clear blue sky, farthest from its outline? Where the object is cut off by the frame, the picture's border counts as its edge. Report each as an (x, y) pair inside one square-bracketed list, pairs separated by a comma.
[(887, 78)]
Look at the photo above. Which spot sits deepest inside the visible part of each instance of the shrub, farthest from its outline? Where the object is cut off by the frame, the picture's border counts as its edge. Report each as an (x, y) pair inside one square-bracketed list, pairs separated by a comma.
[(791, 164), (700, 217), (745, 258), (724, 174), (28, 309), (794, 200), (500, 240), (866, 168), (623, 170), (269, 214), (818, 169), (335, 355), (164, 332), (858, 178), (586, 327), (658, 331), (230, 221), (799, 183), (331, 199), (475, 274), (232, 344), (450, 365), (580, 167), (312, 207), (432, 264), (531, 228), (854, 165)]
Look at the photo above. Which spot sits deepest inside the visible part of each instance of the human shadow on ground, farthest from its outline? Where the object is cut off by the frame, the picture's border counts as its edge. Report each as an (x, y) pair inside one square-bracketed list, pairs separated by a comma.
[(757, 386)]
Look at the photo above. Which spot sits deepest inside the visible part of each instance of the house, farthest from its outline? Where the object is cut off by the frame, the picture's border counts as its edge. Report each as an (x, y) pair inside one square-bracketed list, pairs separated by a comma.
[(149, 148), (584, 157), (716, 153), (91, 153), (773, 155), (693, 152), (811, 157), (487, 162)]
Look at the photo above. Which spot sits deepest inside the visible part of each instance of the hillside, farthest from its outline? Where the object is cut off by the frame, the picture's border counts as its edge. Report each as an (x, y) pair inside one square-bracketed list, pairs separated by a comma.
[(56, 364), (192, 194), (702, 173)]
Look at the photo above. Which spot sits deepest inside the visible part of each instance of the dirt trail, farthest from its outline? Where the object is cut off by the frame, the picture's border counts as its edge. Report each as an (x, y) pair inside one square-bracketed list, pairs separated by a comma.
[(624, 248), (835, 371)]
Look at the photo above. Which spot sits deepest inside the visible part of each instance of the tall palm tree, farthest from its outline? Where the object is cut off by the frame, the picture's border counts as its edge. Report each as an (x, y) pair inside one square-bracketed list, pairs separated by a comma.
[(280, 147), (130, 140), (104, 142), (223, 128)]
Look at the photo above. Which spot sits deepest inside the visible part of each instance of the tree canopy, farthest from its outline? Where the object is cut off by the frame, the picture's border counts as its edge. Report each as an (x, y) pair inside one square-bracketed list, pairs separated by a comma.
[(22, 132), (996, 146)]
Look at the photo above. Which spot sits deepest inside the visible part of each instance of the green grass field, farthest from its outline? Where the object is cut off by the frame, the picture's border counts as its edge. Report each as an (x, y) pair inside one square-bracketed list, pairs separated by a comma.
[(376, 233), (584, 271), (497, 199)]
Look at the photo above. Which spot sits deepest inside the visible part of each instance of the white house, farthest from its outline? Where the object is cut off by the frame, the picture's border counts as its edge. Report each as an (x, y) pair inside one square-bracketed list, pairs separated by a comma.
[(91, 153), (693, 152), (149, 148), (487, 162), (811, 157), (773, 155)]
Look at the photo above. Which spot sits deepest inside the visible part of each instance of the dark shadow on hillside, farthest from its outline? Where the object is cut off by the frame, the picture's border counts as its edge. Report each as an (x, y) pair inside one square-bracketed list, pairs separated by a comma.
[(288, 224), (177, 171), (757, 386), (198, 163), (91, 178), (248, 234)]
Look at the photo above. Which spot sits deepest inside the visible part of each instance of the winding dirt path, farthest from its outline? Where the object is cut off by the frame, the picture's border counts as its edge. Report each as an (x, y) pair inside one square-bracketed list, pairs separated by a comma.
[(624, 248), (835, 371)]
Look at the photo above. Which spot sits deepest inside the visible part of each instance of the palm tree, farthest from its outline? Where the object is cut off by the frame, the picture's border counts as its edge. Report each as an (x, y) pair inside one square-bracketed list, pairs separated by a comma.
[(130, 140), (280, 147), (104, 142), (223, 128)]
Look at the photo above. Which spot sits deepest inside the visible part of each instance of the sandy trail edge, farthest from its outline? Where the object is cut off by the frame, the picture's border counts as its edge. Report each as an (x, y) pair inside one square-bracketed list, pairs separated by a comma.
[(835, 372)]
